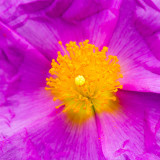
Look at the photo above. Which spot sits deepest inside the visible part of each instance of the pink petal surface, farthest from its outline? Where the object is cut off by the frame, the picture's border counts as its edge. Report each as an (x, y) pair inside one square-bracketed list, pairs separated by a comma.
[(133, 131), (33, 129), (140, 66), (147, 16), (136, 58), (36, 24), (22, 66)]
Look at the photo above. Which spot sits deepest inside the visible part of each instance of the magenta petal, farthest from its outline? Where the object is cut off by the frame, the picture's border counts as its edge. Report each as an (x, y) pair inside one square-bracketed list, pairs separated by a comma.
[(32, 6), (147, 16), (58, 8), (21, 65), (22, 108), (18, 114), (85, 8), (134, 131), (35, 130), (57, 22), (99, 27), (140, 67)]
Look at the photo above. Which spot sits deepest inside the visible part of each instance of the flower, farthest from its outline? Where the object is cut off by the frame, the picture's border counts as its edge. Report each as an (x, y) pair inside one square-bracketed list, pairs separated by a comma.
[(31, 127)]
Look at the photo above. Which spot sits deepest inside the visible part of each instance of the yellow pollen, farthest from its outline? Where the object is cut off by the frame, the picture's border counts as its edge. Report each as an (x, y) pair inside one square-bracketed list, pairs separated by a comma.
[(79, 80), (78, 94)]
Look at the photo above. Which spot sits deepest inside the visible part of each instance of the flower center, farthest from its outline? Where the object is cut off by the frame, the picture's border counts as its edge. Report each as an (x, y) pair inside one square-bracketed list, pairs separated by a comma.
[(83, 77)]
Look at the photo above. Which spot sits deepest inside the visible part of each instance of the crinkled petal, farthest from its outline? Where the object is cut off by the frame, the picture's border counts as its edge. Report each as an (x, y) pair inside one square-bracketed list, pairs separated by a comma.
[(65, 21), (99, 27), (147, 16), (33, 129), (140, 66), (21, 65), (22, 109), (84, 8), (133, 131)]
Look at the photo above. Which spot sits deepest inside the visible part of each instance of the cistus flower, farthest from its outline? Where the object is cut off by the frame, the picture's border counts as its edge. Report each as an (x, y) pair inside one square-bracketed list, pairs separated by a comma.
[(83, 112)]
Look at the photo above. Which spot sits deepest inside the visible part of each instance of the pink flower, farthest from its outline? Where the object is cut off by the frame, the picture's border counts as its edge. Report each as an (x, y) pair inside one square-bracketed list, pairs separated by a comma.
[(30, 126)]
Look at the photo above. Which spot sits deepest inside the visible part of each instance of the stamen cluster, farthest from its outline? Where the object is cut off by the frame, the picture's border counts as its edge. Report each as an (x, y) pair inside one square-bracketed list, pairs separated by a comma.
[(101, 77)]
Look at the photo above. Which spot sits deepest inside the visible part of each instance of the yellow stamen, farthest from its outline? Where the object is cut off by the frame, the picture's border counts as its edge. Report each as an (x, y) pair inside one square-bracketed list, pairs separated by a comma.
[(83, 77)]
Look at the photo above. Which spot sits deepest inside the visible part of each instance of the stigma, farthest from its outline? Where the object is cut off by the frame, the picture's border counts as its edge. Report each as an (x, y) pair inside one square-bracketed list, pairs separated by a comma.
[(83, 77), (79, 80)]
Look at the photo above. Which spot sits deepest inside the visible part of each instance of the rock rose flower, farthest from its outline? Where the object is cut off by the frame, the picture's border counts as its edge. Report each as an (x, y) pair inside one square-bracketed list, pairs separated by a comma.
[(72, 105)]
